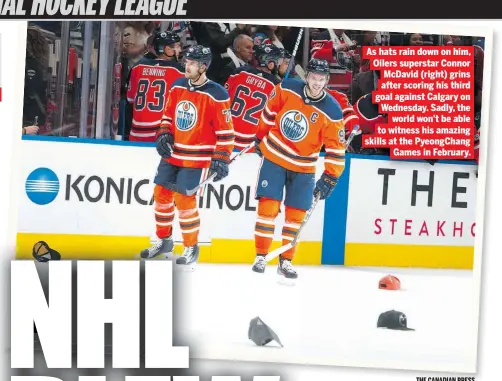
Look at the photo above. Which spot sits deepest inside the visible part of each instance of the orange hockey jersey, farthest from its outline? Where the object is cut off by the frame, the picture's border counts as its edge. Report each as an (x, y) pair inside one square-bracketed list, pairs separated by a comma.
[(199, 119), (350, 118), (149, 84), (293, 129), (249, 89)]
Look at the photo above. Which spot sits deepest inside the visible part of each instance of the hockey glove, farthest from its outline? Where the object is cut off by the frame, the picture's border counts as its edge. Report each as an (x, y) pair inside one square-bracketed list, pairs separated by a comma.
[(325, 186), (219, 167), (165, 142), (257, 146)]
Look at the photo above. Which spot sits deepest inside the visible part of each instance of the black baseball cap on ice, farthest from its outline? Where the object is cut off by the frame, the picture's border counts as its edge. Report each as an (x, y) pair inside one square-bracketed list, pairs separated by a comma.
[(393, 320)]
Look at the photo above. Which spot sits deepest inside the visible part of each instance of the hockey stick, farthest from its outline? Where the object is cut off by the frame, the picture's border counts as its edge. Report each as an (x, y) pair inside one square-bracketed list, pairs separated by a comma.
[(275, 253), (291, 64), (283, 249), (191, 192), (355, 131)]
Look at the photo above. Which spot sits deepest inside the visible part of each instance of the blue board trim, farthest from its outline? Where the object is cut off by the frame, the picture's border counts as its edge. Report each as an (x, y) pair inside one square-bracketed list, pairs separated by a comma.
[(61, 139)]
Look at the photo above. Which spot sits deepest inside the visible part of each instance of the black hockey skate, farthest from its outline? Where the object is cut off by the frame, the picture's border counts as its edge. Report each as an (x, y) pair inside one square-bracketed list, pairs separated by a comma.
[(190, 256), (259, 264), (286, 269), (164, 246)]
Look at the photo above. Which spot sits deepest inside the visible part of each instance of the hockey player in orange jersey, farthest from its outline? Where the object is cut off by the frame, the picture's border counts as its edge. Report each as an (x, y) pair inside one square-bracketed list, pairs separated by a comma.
[(249, 89), (195, 140), (149, 84), (297, 121)]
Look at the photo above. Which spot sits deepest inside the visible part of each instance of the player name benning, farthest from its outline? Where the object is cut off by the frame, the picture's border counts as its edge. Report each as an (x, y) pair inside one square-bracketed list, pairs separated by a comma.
[(154, 71)]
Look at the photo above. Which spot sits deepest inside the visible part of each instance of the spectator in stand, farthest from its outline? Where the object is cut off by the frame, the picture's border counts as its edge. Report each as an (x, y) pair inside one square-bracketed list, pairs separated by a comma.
[(35, 81), (134, 47), (219, 37), (362, 84), (429, 39), (336, 47), (266, 34), (479, 41), (314, 33), (184, 30), (135, 39), (367, 38), (452, 40), (150, 54), (241, 54), (479, 58), (410, 39), (341, 41), (414, 39)]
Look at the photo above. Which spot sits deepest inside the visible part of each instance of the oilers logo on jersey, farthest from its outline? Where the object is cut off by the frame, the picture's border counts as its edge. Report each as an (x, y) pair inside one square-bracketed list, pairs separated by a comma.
[(186, 115), (294, 126)]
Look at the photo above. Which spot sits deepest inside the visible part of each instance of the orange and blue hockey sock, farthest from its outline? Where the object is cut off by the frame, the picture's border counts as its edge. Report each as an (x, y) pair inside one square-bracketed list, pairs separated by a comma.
[(164, 211), (268, 210), (189, 219), (293, 220)]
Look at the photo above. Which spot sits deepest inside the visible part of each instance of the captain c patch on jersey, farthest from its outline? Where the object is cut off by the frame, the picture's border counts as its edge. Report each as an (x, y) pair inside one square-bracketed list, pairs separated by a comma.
[(186, 116), (294, 126)]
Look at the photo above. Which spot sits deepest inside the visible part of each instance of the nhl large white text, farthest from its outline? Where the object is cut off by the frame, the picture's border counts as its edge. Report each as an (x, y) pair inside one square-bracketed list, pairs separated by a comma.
[(159, 352), (122, 310), (54, 319), (28, 304), (124, 313)]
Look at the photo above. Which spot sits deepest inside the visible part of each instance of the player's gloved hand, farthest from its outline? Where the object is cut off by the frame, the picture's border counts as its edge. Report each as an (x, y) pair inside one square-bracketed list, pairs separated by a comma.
[(325, 186), (257, 146), (165, 142), (220, 167)]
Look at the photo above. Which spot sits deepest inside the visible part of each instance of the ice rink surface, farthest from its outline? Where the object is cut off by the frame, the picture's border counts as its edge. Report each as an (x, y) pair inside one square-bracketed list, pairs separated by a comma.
[(329, 316)]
